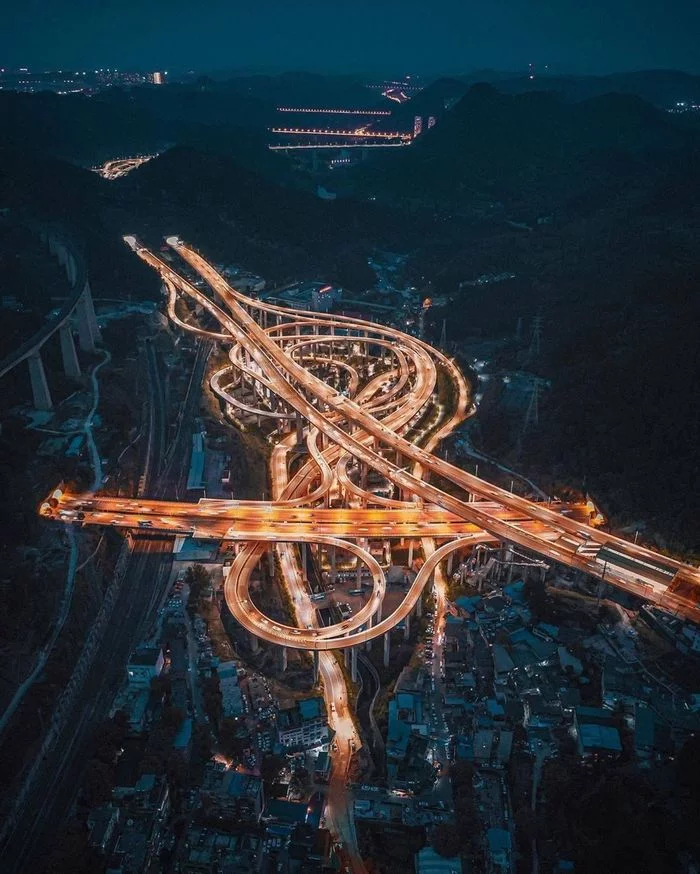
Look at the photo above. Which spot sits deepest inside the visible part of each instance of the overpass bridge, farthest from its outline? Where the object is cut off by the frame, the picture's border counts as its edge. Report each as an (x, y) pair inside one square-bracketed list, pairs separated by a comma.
[(384, 424), (77, 308)]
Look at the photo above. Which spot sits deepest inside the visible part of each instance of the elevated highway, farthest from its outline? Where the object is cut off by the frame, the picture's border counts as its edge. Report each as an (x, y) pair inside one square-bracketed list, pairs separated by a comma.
[(78, 307), (362, 407), (373, 428)]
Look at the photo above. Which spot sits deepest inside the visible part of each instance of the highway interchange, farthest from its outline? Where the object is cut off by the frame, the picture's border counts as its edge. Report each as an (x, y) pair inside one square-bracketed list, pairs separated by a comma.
[(355, 397)]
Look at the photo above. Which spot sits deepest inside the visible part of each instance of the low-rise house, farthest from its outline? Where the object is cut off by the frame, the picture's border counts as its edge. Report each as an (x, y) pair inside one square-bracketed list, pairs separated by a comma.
[(652, 740), (102, 825), (231, 697), (145, 664), (597, 736)]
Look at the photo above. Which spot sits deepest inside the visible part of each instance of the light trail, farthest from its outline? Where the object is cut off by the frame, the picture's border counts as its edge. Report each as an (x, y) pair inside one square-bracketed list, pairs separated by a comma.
[(359, 430)]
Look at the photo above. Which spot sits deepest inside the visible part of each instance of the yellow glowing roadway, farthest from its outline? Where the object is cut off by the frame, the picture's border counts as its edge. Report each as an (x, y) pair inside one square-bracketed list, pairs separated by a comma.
[(351, 428)]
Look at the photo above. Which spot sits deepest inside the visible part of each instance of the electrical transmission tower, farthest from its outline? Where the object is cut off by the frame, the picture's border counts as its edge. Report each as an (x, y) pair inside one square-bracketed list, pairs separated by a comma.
[(534, 349), (532, 416)]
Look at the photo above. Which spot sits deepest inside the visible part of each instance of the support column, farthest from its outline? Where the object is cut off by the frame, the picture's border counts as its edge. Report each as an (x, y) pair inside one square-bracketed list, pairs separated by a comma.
[(333, 564), (407, 627), (346, 656), (71, 272), (450, 559), (387, 648), (353, 664), (71, 366), (419, 608), (40, 388), (410, 553), (254, 643), (300, 429), (284, 658), (91, 313), (87, 338), (302, 547), (316, 665)]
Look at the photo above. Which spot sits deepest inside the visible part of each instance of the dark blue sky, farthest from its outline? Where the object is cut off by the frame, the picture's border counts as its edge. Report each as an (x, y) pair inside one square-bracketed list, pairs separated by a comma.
[(352, 35)]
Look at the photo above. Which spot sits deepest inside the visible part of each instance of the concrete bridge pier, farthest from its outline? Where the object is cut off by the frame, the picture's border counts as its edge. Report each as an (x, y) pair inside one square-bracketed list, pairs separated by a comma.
[(71, 271), (71, 365), (85, 329), (317, 663), (40, 388), (300, 429), (346, 656), (407, 627), (387, 648), (254, 644), (90, 307), (284, 658), (419, 608), (333, 565), (353, 664), (450, 559), (410, 552)]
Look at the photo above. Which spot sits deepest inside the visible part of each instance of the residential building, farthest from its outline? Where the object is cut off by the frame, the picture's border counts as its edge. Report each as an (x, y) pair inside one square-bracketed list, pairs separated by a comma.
[(303, 726)]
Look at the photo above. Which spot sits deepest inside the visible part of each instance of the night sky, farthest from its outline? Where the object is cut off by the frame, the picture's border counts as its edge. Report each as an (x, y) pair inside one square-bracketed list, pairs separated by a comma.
[(391, 36)]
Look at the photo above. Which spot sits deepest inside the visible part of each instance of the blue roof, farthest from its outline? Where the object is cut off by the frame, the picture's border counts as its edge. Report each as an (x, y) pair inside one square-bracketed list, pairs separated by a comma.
[(515, 591), (468, 602), (398, 733), (182, 738), (499, 839), (600, 737), (310, 708), (286, 811), (494, 707)]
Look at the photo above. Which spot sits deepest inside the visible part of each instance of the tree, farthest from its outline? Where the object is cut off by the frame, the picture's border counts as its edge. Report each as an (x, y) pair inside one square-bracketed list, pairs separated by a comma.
[(230, 740), (689, 770), (197, 578), (97, 785), (446, 840), (172, 719), (461, 774), (535, 593), (526, 825)]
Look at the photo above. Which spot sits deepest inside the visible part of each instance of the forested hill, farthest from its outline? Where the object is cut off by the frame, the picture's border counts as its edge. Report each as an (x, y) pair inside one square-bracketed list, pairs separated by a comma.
[(529, 151)]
